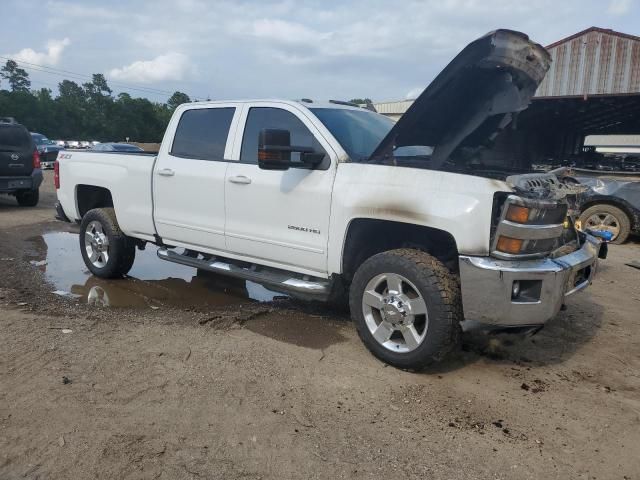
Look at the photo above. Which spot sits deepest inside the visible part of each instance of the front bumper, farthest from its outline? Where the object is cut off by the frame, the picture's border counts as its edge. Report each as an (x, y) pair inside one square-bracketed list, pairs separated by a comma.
[(488, 285)]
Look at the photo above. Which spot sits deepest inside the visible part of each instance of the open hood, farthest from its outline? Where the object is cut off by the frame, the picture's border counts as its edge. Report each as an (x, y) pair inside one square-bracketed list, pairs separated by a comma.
[(472, 99)]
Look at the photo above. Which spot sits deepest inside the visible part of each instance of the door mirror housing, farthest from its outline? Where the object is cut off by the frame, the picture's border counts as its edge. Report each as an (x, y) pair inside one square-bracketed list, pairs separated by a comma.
[(274, 151)]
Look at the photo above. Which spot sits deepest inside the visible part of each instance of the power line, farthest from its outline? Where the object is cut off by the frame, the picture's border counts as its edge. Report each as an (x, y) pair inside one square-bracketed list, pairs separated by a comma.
[(163, 95), (64, 73), (47, 84), (65, 77), (60, 71)]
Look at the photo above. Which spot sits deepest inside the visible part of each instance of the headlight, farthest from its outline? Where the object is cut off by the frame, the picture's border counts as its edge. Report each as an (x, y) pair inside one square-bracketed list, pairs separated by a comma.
[(528, 228), (512, 246), (518, 214)]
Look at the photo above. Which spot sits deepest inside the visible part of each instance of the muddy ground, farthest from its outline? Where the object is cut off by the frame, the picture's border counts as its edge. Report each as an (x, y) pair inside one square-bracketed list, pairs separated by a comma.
[(184, 376)]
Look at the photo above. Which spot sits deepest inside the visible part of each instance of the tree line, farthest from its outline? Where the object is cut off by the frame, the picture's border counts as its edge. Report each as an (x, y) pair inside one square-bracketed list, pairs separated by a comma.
[(87, 111)]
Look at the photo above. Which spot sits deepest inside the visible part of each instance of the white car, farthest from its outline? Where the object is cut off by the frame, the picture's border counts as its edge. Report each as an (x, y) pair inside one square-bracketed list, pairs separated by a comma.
[(328, 200)]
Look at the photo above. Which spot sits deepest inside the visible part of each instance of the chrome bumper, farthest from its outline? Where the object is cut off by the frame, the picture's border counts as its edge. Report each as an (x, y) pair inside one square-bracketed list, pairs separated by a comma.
[(488, 285)]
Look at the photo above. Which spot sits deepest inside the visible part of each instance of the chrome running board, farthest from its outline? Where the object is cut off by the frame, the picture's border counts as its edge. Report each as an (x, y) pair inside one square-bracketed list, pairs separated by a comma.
[(280, 280)]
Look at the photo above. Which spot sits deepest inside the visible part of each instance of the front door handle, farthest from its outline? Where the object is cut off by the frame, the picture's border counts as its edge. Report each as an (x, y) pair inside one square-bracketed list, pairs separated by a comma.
[(241, 179), (166, 172)]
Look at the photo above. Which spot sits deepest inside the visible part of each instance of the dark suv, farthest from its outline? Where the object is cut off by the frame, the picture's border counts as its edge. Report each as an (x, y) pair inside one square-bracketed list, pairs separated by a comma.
[(20, 173)]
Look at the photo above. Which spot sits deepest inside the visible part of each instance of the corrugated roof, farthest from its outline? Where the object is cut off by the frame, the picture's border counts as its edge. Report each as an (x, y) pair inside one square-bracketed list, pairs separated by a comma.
[(592, 29), (595, 61)]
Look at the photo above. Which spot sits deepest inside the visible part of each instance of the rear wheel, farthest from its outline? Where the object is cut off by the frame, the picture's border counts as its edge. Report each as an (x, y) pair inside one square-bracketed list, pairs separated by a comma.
[(607, 218), (106, 251), (28, 198), (406, 307)]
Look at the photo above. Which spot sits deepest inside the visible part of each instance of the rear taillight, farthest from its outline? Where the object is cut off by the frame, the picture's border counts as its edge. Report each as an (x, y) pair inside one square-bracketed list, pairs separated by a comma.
[(36, 159), (56, 174)]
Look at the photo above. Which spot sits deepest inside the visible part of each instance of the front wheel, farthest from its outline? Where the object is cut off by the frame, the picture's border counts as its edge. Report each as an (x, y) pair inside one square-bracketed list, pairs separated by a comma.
[(106, 250), (406, 307)]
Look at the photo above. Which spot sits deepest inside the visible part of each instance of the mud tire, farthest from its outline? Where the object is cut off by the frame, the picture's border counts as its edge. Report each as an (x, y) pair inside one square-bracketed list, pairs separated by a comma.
[(122, 250), (440, 291)]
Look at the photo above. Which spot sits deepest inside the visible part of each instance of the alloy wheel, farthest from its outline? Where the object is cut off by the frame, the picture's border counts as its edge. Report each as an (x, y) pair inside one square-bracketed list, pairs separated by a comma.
[(395, 312), (96, 244)]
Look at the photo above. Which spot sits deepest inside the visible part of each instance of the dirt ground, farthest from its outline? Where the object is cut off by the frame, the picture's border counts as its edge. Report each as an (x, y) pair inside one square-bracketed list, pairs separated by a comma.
[(165, 384)]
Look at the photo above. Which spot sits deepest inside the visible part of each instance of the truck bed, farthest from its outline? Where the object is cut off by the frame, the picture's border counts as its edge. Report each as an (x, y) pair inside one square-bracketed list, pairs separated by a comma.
[(128, 176)]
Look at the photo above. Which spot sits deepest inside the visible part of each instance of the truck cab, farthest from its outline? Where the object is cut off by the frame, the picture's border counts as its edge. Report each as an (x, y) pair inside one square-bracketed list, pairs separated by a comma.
[(417, 225)]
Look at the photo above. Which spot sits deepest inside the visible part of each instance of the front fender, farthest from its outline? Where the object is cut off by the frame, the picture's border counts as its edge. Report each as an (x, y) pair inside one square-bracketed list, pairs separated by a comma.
[(460, 205)]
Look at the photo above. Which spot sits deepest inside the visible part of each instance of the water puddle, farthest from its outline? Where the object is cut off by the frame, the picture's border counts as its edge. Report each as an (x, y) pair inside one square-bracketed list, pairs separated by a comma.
[(151, 282)]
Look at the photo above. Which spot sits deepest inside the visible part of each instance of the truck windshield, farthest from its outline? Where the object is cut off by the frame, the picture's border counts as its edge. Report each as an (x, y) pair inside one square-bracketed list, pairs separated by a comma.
[(358, 131)]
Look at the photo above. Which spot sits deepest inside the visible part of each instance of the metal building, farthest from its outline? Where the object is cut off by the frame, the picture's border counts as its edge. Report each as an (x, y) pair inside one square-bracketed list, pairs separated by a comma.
[(592, 88), (593, 62), (393, 110)]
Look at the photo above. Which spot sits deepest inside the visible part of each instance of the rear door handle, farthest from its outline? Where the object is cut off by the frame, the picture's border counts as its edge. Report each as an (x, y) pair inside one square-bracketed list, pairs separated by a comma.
[(241, 179), (166, 172)]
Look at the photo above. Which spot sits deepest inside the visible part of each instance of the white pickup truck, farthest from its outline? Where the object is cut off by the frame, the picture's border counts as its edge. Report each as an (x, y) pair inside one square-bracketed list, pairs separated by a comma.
[(420, 223)]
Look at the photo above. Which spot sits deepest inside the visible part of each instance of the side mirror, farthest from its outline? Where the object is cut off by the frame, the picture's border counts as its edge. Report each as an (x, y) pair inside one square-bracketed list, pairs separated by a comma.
[(311, 159), (274, 151)]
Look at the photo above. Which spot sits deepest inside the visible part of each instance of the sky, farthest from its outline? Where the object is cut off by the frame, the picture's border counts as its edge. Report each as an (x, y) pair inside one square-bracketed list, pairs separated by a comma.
[(384, 50)]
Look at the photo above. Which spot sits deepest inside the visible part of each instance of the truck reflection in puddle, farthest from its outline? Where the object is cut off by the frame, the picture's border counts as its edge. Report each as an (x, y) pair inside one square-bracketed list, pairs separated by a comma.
[(150, 283)]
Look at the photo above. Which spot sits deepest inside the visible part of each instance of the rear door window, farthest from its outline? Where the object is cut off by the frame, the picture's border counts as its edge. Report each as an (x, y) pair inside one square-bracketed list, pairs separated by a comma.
[(14, 139), (202, 133)]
